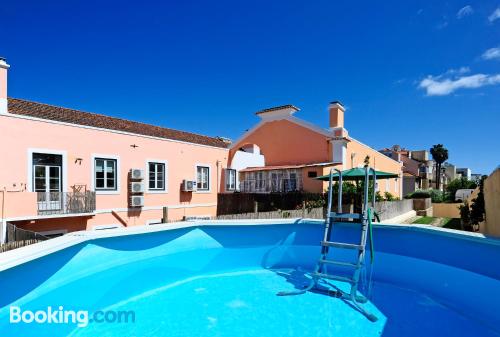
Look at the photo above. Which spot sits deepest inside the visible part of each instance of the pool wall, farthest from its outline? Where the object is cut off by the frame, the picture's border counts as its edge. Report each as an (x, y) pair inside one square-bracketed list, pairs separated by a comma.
[(459, 269)]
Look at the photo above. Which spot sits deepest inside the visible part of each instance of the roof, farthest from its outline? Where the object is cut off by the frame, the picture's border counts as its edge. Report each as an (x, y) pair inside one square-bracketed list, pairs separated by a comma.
[(281, 107), (285, 167), (54, 113)]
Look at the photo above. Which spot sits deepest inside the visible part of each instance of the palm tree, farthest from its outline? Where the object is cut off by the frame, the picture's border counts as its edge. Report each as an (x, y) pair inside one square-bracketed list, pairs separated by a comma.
[(440, 155)]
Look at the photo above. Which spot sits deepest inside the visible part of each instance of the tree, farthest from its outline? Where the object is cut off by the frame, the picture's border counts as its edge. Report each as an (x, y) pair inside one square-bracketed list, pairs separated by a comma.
[(440, 155), (464, 216), (458, 184), (477, 208)]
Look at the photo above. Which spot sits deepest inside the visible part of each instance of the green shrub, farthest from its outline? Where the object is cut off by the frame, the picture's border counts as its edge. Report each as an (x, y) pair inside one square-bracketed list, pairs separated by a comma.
[(435, 195), (458, 184), (419, 194), (389, 197)]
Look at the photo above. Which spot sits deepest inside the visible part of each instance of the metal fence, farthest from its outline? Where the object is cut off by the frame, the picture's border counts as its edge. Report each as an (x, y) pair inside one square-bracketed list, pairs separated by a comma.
[(65, 202)]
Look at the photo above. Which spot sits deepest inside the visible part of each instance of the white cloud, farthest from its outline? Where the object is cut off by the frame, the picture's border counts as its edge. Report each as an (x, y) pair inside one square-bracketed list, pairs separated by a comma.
[(442, 25), (461, 70), (465, 11), (495, 15), (492, 54), (442, 85)]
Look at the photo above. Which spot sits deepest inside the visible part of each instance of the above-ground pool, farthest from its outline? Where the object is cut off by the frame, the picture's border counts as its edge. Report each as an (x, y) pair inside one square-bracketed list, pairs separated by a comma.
[(221, 279)]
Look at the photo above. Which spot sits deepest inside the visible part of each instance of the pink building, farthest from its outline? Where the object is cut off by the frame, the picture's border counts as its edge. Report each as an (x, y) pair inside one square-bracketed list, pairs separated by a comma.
[(64, 170), (284, 153)]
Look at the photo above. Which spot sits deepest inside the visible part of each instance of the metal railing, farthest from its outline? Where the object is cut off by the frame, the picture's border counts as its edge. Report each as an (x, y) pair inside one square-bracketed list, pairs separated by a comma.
[(49, 203), (270, 185)]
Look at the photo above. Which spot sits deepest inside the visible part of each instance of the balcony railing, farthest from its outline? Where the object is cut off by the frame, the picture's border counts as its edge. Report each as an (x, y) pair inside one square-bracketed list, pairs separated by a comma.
[(270, 185), (65, 202)]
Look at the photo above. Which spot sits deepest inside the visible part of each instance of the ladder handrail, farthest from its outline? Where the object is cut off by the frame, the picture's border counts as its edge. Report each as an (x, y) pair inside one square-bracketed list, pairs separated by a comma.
[(330, 191)]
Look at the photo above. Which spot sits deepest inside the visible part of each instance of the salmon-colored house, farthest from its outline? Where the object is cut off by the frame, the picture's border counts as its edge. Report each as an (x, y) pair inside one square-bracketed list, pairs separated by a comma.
[(284, 153), (63, 170)]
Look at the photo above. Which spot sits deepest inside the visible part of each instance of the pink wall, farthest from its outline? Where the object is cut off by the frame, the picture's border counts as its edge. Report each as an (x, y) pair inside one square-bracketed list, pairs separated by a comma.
[(17, 135), (283, 142)]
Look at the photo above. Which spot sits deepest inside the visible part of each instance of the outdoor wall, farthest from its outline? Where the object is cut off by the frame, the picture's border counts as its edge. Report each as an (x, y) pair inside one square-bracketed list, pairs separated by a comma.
[(310, 184), (242, 160), (80, 145), (492, 204), (283, 142), (356, 153), (392, 209), (446, 210)]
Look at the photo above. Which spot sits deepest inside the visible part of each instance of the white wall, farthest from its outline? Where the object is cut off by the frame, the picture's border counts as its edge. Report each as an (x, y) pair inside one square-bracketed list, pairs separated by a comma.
[(242, 160)]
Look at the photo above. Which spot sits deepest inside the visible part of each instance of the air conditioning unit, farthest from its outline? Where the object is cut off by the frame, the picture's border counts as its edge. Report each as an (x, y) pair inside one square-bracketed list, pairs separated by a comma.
[(136, 187), (136, 174), (136, 201), (188, 185)]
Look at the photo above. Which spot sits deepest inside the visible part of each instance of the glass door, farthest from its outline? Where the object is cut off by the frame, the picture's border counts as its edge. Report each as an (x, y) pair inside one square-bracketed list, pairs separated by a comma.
[(47, 181)]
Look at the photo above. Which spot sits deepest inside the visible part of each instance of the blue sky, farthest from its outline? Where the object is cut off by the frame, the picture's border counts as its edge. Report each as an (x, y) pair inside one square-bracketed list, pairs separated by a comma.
[(413, 73)]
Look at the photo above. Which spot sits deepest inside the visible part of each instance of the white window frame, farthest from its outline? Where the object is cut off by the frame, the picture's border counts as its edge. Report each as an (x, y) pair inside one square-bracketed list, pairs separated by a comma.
[(227, 175), (118, 173), (209, 190), (64, 173), (165, 177)]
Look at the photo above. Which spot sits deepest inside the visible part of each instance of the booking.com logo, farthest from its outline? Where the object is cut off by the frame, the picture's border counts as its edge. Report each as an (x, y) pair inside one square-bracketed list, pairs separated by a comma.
[(81, 318)]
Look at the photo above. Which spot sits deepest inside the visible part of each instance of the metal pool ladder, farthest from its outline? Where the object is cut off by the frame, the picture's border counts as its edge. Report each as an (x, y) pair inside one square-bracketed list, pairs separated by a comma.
[(320, 271)]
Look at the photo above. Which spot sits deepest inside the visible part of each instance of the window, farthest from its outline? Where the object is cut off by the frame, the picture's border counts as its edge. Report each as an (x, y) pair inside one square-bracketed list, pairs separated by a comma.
[(312, 174), (230, 179), (105, 174), (156, 176), (202, 178)]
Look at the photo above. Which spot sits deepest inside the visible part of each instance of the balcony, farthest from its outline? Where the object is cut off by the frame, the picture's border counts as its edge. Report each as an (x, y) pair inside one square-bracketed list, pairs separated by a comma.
[(55, 203), (270, 185)]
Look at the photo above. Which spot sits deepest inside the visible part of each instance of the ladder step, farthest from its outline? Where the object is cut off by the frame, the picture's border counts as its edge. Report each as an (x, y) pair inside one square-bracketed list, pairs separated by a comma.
[(339, 263), (341, 245), (345, 215), (333, 277)]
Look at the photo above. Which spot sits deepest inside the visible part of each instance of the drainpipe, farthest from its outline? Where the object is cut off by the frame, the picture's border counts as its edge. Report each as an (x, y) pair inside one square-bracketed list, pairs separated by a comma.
[(3, 224), (218, 171)]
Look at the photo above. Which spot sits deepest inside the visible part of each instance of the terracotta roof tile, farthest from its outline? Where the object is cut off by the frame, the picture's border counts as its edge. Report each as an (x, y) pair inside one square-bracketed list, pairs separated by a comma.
[(44, 111)]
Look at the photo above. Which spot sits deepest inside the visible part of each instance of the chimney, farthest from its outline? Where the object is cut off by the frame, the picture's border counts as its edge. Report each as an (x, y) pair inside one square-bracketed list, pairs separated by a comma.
[(3, 85), (336, 110)]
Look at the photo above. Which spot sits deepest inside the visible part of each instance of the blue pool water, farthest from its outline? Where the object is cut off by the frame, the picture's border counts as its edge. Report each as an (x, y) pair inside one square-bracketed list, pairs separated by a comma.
[(223, 280)]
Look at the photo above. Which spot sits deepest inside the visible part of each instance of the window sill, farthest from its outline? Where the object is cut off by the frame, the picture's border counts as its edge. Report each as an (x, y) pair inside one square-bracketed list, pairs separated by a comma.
[(104, 192), (203, 191), (156, 192)]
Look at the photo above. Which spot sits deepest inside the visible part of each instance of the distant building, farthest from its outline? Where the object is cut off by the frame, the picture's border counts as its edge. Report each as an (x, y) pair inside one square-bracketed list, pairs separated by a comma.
[(465, 172)]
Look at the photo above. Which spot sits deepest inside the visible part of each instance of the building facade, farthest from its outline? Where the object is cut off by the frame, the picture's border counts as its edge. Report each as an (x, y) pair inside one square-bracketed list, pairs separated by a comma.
[(293, 152), (64, 170)]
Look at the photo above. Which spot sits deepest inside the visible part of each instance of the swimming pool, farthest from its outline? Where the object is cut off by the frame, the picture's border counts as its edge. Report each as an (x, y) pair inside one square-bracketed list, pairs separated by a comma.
[(221, 279)]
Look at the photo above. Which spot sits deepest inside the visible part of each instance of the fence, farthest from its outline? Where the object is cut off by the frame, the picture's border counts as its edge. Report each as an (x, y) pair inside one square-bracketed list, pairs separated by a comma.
[(16, 244), (314, 213), (235, 203), (247, 204), (17, 237), (65, 202)]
